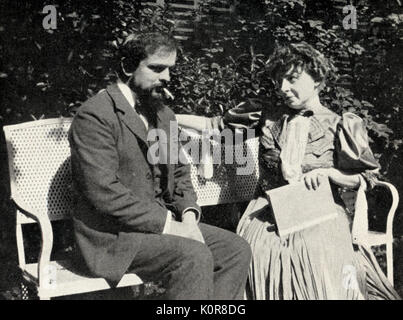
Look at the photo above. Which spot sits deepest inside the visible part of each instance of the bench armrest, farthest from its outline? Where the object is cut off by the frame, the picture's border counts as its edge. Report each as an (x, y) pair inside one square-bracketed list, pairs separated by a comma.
[(395, 202)]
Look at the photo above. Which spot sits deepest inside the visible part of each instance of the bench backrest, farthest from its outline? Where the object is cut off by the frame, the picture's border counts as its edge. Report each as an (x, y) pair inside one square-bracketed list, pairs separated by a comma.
[(40, 172), (39, 167)]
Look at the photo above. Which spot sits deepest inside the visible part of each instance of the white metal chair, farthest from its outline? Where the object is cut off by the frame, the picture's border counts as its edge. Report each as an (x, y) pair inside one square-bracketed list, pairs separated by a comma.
[(40, 179)]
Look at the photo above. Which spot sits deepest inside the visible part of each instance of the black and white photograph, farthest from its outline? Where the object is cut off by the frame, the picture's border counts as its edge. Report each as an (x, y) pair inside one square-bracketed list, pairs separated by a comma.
[(217, 151)]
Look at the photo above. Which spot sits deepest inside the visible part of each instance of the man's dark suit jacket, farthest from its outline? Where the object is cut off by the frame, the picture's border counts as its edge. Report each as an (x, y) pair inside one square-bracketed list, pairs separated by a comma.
[(117, 200)]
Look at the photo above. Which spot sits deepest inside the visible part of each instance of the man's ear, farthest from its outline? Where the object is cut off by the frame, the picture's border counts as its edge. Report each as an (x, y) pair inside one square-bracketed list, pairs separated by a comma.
[(126, 67)]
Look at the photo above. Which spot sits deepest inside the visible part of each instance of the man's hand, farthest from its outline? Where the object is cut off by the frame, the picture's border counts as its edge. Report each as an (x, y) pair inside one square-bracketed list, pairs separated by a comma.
[(186, 230)]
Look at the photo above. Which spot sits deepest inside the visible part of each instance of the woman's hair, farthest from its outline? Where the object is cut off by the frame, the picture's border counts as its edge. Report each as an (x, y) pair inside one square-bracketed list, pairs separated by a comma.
[(138, 47), (299, 55)]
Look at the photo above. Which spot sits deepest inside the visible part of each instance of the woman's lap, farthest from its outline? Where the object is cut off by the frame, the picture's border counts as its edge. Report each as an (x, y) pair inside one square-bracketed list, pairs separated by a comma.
[(316, 263)]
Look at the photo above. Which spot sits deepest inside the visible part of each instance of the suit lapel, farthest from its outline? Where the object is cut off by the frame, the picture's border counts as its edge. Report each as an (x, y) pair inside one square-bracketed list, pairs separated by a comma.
[(127, 115), (163, 124)]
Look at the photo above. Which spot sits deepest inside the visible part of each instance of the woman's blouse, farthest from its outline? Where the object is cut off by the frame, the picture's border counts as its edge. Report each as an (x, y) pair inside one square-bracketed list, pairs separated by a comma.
[(333, 142)]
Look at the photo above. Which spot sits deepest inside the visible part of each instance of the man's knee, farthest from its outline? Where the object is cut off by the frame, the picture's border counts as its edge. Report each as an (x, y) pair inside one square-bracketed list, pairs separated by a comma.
[(241, 249), (198, 257)]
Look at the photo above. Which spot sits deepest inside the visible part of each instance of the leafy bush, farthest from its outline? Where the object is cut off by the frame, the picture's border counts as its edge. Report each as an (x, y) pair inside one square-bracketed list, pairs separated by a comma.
[(231, 66)]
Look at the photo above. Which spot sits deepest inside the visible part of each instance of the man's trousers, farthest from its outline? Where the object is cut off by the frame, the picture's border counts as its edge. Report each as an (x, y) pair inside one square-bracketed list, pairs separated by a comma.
[(191, 270)]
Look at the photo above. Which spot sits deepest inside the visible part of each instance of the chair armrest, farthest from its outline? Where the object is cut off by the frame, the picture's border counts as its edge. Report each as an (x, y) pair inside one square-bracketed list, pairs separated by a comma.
[(395, 202), (46, 235), (198, 123)]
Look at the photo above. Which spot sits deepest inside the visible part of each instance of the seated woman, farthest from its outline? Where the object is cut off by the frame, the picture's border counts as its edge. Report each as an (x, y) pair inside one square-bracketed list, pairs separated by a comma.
[(305, 141)]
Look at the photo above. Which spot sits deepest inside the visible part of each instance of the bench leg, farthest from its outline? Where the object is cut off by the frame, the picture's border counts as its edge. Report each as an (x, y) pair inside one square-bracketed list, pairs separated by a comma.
[(142, 291), (389, 261)]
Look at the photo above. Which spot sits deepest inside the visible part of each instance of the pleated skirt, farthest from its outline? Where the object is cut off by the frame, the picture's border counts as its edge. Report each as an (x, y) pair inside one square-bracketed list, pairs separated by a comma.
[(317, 263)]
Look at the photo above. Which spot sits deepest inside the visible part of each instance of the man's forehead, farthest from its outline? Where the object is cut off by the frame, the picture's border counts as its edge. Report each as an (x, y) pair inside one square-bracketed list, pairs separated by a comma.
[(162, 56)]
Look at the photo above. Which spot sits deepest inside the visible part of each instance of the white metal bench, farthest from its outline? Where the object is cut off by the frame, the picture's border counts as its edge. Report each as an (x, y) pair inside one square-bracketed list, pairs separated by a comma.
[(40, 179)]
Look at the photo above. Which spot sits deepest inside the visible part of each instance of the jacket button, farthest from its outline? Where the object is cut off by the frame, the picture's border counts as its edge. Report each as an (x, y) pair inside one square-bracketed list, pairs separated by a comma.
[(148, 175)]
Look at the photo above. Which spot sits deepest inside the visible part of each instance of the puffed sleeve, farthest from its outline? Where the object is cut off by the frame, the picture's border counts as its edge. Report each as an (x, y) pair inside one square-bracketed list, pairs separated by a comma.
[(246, 115), (353, 153)]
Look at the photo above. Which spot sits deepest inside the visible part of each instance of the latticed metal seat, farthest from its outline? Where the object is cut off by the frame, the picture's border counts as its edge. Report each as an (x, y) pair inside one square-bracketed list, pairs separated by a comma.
[(40, 178)]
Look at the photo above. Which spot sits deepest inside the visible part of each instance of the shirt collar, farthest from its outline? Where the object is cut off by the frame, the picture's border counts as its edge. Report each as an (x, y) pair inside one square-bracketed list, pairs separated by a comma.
[(127, 92)]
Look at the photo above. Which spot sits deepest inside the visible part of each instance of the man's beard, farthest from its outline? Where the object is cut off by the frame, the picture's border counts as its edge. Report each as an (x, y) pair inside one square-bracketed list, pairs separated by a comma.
[(149, 102), (152, 98)]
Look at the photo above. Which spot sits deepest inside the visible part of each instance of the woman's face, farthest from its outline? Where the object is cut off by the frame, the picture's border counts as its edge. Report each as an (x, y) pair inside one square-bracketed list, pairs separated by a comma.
[(298, 88)]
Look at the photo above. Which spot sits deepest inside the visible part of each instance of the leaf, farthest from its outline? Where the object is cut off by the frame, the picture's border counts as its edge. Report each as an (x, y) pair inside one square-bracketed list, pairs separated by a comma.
[(357, 103), (367, 104), (70, 55), (221, 108), (72, 15), (315, 23), (215, 66), (397, 143), (381, 129), (377, 20)]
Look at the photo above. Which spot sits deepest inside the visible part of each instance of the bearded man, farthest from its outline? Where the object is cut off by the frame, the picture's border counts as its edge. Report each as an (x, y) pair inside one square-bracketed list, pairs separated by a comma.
[(134, 216)]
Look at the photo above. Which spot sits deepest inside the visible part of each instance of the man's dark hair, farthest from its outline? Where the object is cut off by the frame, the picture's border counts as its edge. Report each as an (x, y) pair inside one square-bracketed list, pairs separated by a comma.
[(138, 47), (300, 55)]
